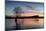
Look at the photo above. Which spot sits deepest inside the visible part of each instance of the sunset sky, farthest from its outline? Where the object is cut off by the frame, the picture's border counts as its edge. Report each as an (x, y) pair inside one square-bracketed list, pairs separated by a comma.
[(29, 8)]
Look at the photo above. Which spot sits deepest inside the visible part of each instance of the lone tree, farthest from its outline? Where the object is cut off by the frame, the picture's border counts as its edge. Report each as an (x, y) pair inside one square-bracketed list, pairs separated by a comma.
[(35, 16), (17, 10)]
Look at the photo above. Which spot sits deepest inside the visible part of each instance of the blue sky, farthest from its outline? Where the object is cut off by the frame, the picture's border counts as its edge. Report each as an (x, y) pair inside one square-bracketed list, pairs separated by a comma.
[(10, 5), (27, 0)]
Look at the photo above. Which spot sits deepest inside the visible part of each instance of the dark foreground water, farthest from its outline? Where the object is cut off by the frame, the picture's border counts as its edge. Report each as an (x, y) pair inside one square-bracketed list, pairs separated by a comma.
[(11, 25)]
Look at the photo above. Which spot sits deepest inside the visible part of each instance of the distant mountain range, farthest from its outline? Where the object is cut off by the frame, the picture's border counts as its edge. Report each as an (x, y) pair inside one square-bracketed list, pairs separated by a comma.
[(35, 16)]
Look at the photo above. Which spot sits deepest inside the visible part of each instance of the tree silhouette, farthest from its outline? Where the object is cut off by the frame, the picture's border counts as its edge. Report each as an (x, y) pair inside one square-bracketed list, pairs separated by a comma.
[(35, 16), (17, 10)]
